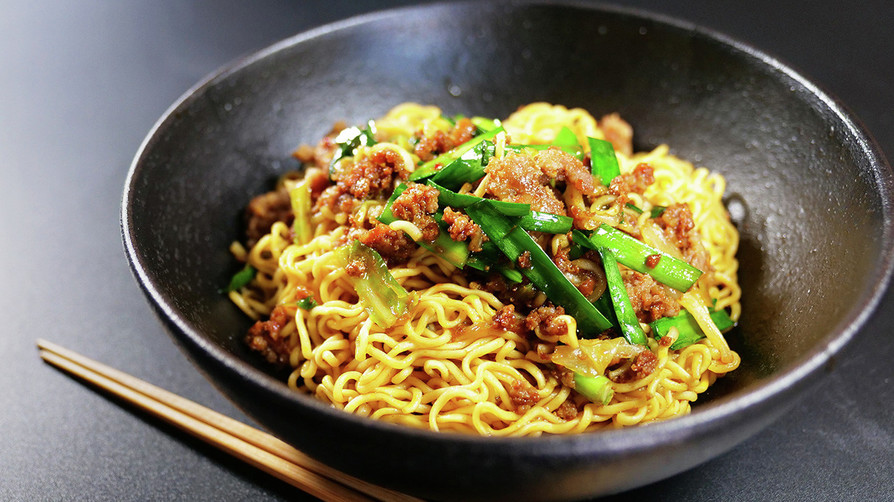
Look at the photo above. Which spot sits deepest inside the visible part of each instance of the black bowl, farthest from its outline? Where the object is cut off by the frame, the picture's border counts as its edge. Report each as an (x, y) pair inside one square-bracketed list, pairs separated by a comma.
[(808, 189)]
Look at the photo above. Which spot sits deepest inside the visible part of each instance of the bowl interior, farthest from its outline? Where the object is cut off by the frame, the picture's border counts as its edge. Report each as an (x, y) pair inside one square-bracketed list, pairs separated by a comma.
[(808, 194)]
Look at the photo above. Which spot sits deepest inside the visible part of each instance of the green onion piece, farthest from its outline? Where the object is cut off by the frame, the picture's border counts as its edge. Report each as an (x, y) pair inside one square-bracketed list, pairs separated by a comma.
[(485, 124), (543, 273), (633, 253), (657, 211), (536, 221), (468, 168), (455, 252), (688, 329), (462, 200), (595, 388), (431, 167), (627, 320), (633, 208), (383, 298), (241, 278), (349, 139), (566, 138), (603, 161), (300, 198), (307, 303)]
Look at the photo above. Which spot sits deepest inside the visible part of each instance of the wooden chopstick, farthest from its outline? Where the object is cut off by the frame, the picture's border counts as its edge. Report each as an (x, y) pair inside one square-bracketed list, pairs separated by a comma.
[(231, 436)]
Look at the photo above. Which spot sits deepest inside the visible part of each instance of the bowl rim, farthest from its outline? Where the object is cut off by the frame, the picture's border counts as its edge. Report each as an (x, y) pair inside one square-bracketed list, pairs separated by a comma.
[(630, 438)]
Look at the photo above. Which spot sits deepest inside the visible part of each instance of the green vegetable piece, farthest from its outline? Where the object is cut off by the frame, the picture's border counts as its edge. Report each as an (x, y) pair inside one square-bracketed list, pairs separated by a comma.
[(536, 221), (595, 388), (461, 200), (431, 167), (485, 124), (383, 298), (307, 303), (241, 278), (688, 329), (455, 252), (627, 320), (633, 208), (351, 138), (657, 211), (468, 168), (513, 241), (633, 253), (603, 161), (301, 206)]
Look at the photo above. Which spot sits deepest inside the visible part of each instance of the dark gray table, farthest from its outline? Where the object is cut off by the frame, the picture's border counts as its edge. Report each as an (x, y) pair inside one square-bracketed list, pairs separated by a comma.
[(81, 83)]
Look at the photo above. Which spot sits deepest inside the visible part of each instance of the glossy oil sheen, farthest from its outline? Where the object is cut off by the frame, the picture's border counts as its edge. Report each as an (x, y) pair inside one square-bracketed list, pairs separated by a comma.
[(808, 190)]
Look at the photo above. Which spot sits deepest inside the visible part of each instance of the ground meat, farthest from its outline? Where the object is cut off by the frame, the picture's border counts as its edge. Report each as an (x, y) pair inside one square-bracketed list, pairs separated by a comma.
[(461, 227), (649, 299), (561, 166), (523, 395), (644, 364), (506, 319), (679, 227), (394, 246), (567, 410), (652, 260), (417, 204), (356, 268), (586, 281), (636, 181), (265, 210), (428, 147), (370, 176), (265, 337), (546, 319), (617, 132), (524, 260), (518, 178)]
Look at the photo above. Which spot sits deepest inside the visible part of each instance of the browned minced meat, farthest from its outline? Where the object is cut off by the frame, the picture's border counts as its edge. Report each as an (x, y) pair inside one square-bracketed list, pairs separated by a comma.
[(263, 211), (564, 167), (649, 299), (416, 204), (636, 181), (355, 268), (652, 260), (265, 337), (567, 410), (585, 281), (373, 175), (394, 246), (506, 319), (644, 364), (523, 395), (666, 341), (617, 132), (518, 178), (428, 147), (546, 318), (524, 260), (461, 227), (523, 294)]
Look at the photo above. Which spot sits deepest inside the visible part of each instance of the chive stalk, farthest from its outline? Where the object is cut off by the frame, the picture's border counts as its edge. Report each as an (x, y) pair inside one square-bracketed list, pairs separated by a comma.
[(633, 253), (513, 241), (688, 330), (627, 321), (595, 388)]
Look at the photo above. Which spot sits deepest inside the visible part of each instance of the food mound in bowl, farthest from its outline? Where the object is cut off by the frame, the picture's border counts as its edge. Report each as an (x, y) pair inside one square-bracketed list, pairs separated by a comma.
[(504, 278)]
